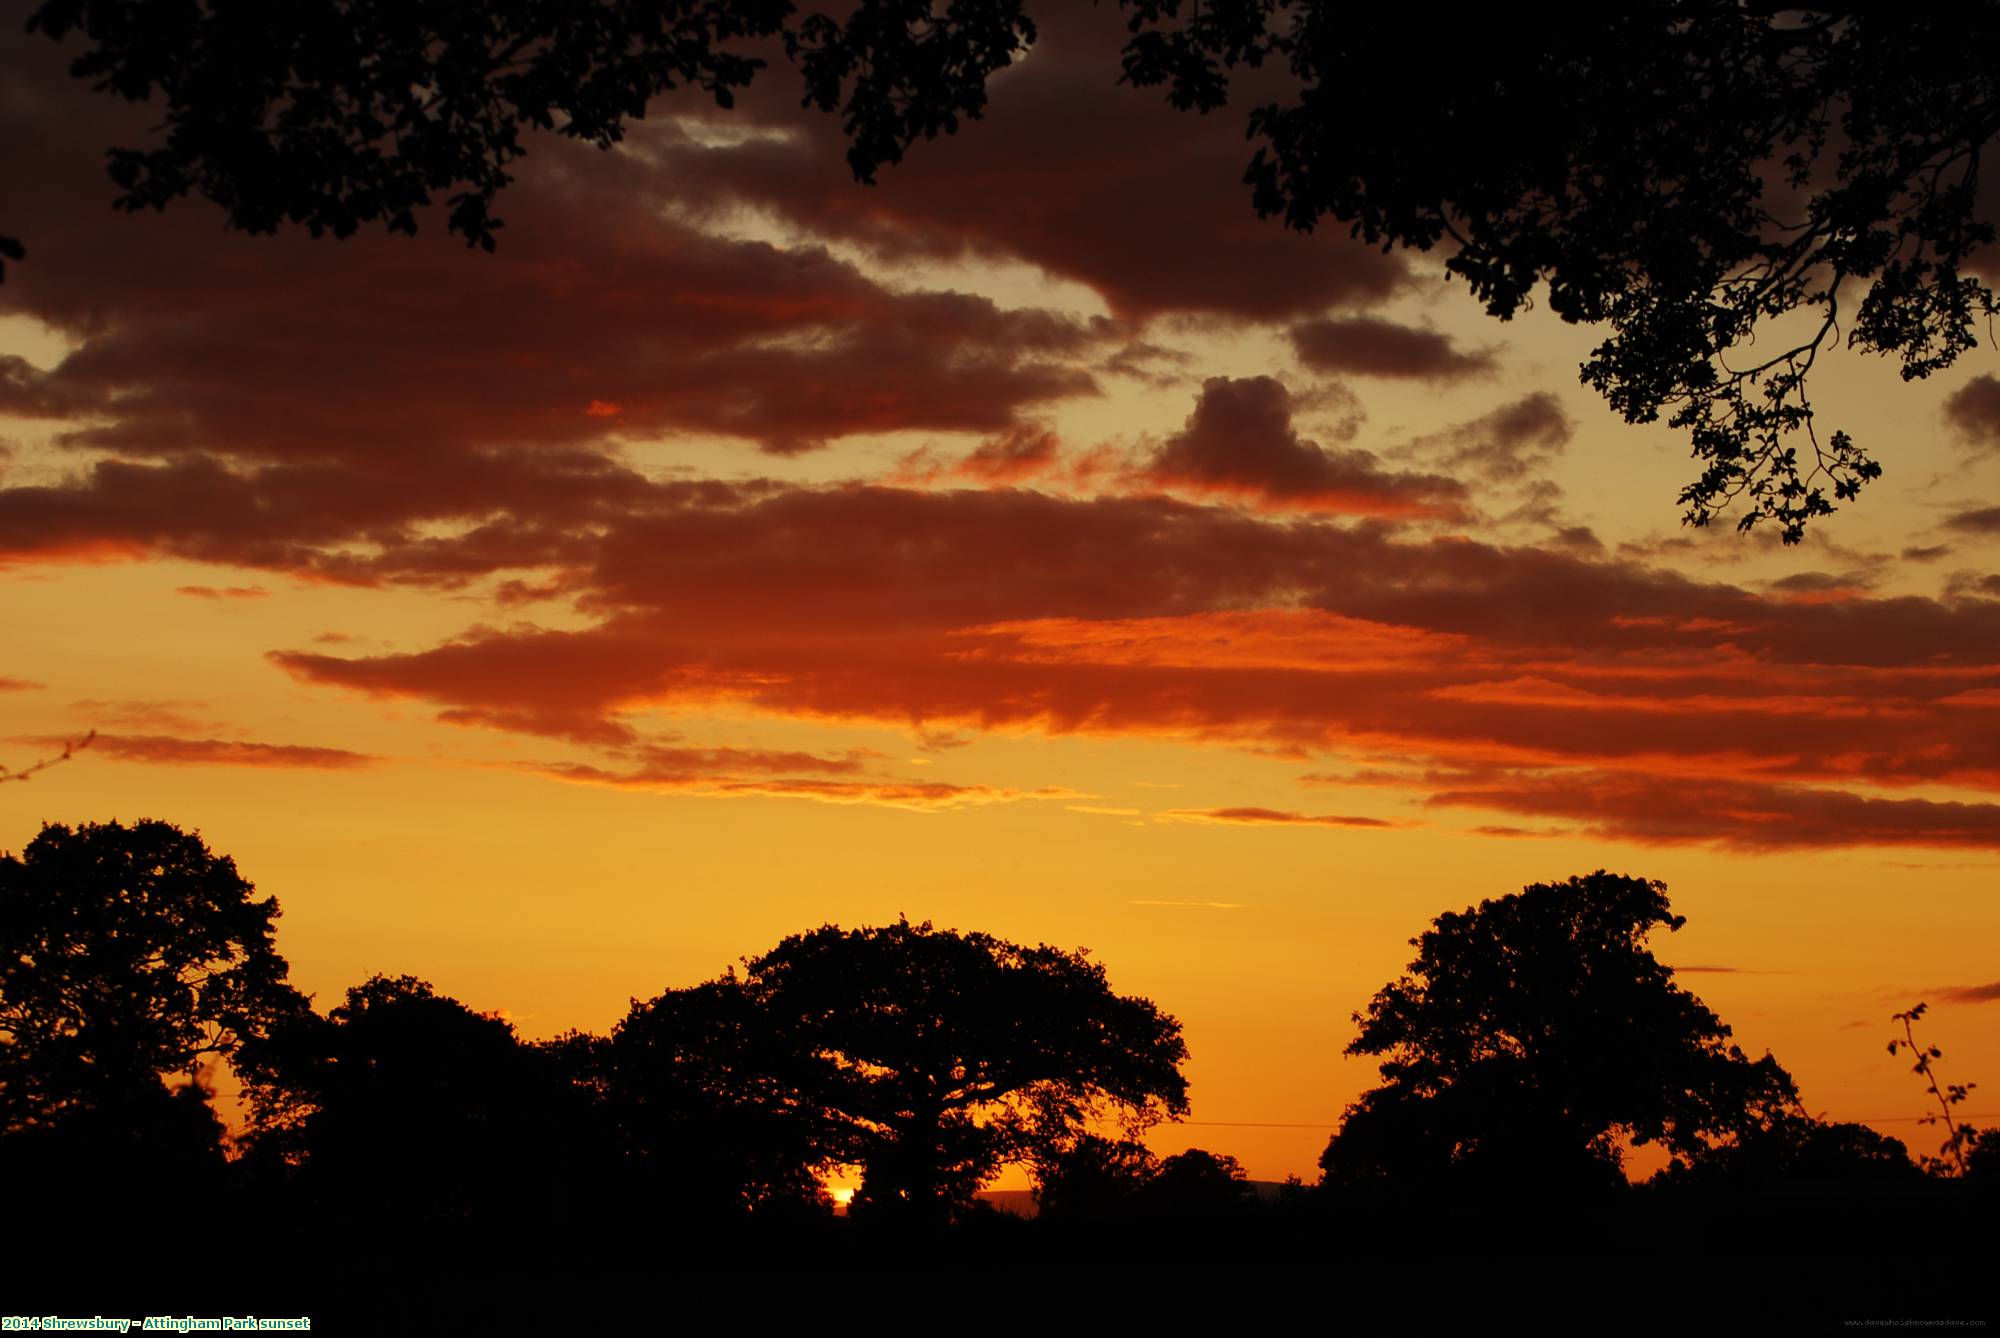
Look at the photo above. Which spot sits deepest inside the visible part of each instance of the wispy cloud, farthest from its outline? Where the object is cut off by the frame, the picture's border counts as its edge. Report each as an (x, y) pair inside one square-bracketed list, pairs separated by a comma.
[(1725, 971), (1273, 817), (1989, 993), (169, 750), (920, 796), (223, 592)]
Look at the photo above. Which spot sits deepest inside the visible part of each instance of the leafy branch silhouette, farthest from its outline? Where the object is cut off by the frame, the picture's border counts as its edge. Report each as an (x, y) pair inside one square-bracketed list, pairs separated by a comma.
[(1959, 1137)]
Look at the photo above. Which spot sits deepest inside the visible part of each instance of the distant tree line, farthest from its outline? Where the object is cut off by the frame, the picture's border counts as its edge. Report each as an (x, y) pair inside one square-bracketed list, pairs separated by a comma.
[(408, 1140)]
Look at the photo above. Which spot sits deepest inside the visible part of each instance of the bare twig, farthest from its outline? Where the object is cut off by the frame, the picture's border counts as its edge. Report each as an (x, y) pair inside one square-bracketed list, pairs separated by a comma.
[(69, 750)]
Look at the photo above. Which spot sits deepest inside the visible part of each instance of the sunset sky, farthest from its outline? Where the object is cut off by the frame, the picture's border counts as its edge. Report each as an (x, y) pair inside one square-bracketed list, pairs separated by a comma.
[(1036, 542)]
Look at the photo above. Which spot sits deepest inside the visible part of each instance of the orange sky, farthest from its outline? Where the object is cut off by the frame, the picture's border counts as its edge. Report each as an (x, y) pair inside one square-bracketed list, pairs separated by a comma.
[(1037, 543)]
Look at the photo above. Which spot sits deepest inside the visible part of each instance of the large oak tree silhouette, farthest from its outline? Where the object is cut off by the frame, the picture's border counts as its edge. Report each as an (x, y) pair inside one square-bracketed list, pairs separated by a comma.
[(132, 959), (129, 956), (1534, 1033), (928, 1057)]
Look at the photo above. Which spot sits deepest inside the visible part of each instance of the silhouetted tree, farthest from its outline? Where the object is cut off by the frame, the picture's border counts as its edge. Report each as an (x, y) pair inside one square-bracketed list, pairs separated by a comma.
[(1982, 1160), (1795, 1154), (1689, 172), (1196, 1186), (1533, 1033), (130, 958), (933, 1057), (705, 1103), (1090, 1178), (331, 114), (408, 1113)]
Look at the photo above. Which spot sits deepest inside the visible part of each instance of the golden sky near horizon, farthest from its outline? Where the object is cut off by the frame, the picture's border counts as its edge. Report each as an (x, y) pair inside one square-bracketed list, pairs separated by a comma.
[(1037, 544)]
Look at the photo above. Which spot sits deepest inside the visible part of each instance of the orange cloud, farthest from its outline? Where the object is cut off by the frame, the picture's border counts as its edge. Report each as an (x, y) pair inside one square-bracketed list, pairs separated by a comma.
[(922, 796), (1744, 816), (956, 611), (169, 750), (1258, 817), (224, 592)]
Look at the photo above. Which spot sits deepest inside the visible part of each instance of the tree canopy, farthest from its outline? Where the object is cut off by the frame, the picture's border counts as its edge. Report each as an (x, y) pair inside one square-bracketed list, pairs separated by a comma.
[(1535, 1032), (707, 1104), (403, 1110), (1729, 189), (928, 1057), (128, 956), (331, 114)]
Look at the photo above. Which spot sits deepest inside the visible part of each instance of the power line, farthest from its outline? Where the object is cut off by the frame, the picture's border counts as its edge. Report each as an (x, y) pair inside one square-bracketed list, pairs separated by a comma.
[(1957, 1118), (1849, 1119)]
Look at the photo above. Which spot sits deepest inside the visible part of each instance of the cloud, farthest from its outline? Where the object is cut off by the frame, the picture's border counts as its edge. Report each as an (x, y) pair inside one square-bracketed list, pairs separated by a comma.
[(1969, 994), (602, 319), (20, 685), (1743, 816), (148, 716), (1259, 817), (676, 767), (920, 796), (1020, 454), (1503, 446), (1152, 213), (1579, 539), (1973, 411), (953, 612), (1240, 442), (225, 592), (1722, 971), (168, 750), (1982, 521), (655, 763), (1972, 585), (1816, 587), (1368, 346), (485, 427)]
